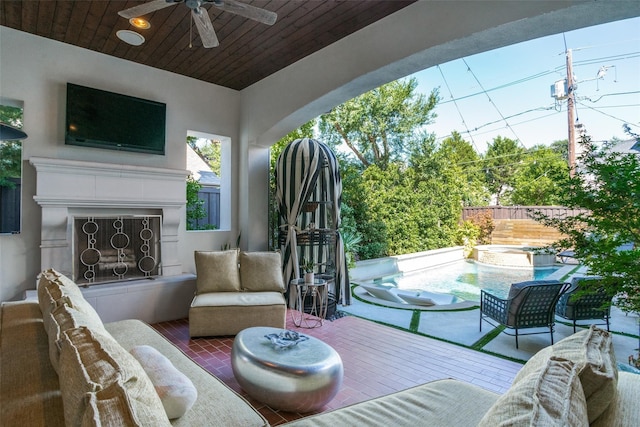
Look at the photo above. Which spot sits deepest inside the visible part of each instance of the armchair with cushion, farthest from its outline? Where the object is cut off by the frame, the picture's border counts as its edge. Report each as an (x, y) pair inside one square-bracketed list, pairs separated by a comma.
[(237, 290), (575, 306), (530, 304)]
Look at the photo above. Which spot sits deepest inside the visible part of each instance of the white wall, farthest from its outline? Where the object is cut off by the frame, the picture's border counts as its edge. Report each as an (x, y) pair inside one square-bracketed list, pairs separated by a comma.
[(35, 70)]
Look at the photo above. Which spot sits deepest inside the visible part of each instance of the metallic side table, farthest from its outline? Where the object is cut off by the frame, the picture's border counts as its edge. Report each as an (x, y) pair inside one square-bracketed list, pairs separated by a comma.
[(319, 294), (302, 378)]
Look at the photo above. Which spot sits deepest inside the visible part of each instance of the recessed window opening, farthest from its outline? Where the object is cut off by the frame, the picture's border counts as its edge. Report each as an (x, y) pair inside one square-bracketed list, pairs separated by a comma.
[(209, 185)]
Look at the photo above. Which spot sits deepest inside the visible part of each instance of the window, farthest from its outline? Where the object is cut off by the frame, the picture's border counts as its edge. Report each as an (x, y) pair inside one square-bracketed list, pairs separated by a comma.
[(209, 185), (10, 169)]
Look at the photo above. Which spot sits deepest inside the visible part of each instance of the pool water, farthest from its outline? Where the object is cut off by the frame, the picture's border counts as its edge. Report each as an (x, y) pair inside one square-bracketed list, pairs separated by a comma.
[(466, 278)]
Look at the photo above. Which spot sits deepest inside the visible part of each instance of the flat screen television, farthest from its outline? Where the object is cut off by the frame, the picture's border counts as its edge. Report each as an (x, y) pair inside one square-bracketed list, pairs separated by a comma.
[(97, 118)]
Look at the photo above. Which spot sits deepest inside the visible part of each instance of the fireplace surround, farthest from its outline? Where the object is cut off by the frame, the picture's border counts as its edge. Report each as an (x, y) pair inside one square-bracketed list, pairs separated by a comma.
[(69, 189)]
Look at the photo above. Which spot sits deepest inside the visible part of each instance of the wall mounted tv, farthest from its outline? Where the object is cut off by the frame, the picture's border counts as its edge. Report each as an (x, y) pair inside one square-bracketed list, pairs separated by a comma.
[(96, 118)]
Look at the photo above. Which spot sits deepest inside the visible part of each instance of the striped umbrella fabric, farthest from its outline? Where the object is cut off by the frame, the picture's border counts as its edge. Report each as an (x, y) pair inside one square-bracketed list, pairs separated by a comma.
[(307, 170)]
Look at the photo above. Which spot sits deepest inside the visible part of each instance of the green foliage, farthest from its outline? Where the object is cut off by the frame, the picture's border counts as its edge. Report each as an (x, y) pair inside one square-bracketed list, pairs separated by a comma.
[(211, 152), (10, 162), (195, 206), (607, 185), (379, 126), (467, 165), (10, 151), (539, 179), (467, 235), (483, 220), (501, 163), (561, 147)]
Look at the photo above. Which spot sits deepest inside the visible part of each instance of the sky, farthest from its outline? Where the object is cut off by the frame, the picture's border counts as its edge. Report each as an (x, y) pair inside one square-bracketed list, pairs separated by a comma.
[(507, 92)]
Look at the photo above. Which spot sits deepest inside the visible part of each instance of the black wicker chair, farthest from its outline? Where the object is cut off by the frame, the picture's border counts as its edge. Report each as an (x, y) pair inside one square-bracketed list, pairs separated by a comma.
[(529, 305), (594, 305)]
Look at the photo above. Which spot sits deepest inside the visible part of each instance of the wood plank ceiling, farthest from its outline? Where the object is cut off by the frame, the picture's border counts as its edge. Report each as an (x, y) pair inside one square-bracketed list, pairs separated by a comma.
[(249, 51)]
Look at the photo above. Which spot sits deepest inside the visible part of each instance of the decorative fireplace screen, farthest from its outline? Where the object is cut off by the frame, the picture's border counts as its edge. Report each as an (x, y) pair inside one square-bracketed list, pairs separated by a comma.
[(116, 248)]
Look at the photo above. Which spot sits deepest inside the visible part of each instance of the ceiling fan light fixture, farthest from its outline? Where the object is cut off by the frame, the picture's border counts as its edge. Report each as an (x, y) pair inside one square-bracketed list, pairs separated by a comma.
[(141, 23), (130, 37)]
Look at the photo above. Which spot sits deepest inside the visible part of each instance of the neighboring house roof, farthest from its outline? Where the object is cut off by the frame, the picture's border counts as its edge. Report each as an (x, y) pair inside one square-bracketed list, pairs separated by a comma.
[(200, 169), (629, 146)]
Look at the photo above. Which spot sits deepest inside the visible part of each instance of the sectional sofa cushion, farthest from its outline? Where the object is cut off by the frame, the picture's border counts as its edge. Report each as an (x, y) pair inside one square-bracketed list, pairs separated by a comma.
[(110, 406), (551, 396), (91, 362), (65, 317), (592, 352), (176, 391), (261, 271), (217, 271)]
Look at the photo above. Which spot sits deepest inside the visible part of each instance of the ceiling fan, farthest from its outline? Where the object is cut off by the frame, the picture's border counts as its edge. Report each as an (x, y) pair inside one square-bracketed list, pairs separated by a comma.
[(201, 16)]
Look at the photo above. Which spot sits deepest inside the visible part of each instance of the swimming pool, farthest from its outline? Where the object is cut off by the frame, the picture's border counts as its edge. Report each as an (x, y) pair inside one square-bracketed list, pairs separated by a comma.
[(466, 278)]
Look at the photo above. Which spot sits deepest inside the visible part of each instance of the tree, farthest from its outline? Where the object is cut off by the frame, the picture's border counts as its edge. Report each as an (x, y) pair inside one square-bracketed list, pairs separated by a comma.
[(607, 185), (540, 179), (465, 161), (380, 126), (195, 206), (10, 151), (501, 162), (562, 148)]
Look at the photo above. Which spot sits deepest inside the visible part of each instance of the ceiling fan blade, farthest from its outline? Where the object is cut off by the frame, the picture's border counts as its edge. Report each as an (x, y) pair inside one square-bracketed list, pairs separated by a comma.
[(205, 27), (143, 9), (246, 10)]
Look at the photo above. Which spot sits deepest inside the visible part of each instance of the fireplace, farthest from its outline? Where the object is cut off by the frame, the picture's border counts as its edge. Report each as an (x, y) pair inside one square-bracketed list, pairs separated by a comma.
[(105, 222), (116, 248), (115, 229)]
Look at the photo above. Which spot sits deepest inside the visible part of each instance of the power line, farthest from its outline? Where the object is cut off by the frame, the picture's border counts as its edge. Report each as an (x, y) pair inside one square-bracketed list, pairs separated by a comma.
[(491, 101), (457, 108)]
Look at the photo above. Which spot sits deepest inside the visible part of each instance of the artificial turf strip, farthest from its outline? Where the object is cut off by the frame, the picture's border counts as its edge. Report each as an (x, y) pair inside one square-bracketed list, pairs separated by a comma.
[(478, 345), (415, 321)]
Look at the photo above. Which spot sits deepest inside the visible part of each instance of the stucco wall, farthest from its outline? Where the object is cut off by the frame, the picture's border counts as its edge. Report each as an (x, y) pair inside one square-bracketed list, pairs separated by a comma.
[(35, 70)]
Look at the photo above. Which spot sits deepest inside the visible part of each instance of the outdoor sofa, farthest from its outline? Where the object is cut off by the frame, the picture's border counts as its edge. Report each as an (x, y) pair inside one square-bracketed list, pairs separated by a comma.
[(574, 382)]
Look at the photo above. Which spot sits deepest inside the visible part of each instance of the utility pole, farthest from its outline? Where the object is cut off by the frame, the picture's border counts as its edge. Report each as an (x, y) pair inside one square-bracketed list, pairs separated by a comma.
[(571, 114)]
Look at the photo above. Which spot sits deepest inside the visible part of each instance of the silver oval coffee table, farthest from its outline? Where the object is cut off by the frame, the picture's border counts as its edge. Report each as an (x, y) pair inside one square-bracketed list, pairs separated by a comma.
[(301, 378)]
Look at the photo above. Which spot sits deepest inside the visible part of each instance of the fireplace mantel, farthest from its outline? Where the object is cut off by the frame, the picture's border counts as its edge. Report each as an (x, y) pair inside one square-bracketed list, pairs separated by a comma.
[(67, 187)]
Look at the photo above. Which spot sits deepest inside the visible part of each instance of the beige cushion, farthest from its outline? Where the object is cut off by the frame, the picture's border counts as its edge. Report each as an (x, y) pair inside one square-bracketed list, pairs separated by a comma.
[(239, 299), (110, 406), (52, 285), (591, 350), (91, 361), (217, 271), (551, 396), (66, 316), (261, 271), (176, 391), (623, 409)]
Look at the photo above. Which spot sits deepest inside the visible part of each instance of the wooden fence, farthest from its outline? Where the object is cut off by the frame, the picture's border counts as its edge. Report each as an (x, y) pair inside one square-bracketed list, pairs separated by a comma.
[(520, 212)]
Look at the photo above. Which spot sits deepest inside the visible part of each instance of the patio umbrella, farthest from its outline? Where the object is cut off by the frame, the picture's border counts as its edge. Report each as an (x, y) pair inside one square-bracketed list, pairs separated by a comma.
[(309, 194)]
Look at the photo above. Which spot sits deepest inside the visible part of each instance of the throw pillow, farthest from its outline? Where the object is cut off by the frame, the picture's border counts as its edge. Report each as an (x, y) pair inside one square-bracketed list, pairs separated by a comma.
[(176, 391), (91, 361), (261, 271), (592, 352), (552, 396), (217, 271)]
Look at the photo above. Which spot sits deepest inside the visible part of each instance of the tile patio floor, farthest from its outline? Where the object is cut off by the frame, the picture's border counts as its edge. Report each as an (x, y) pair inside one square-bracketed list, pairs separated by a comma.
[(377, 360)]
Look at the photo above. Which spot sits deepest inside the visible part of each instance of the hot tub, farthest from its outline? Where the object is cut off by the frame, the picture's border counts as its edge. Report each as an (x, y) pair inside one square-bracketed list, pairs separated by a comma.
[(513, 256)]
